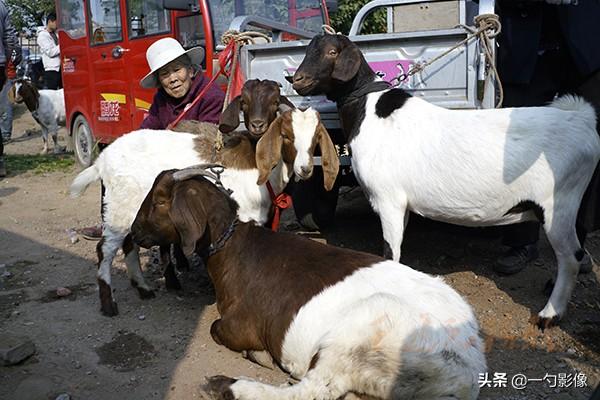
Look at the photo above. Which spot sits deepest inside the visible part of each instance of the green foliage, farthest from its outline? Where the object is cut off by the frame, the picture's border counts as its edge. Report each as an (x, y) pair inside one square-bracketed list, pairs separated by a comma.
[(342, 19), (29, 13), (38, 164)]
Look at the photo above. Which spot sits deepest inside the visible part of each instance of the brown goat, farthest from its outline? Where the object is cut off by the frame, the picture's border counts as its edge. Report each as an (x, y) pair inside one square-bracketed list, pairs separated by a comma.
[(337, 319), (260, 101)]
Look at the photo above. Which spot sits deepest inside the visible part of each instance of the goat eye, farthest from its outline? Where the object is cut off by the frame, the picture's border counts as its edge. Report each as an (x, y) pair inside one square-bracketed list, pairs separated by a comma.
[(333, 52)]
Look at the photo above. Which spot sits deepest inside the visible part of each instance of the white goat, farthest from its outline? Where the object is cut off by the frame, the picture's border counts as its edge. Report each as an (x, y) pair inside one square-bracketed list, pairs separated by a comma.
[(130, 164), (474, 168), (46, 106)]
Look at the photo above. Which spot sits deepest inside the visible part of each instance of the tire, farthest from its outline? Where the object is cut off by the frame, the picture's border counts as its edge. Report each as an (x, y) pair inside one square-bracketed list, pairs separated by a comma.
[(82, 142), (313, 205)]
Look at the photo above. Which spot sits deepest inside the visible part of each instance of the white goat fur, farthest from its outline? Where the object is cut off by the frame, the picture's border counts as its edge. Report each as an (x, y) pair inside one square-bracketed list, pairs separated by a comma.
[(471, 167), (50, 113), (375, 334)]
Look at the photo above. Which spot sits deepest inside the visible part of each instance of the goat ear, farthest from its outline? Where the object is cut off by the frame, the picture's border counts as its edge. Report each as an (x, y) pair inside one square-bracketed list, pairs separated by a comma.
[(285, 104), (268, 151), (230, 117), (189, 216), (347, 64), (329, 158)]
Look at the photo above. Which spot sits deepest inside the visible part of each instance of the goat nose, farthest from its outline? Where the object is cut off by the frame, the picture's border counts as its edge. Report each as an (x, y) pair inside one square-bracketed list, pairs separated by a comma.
[(298, 77), (257, 125), (306, 170)]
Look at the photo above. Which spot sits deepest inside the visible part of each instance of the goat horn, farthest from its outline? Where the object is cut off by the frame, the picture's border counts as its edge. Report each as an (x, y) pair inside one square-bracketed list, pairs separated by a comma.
[(188, 173)]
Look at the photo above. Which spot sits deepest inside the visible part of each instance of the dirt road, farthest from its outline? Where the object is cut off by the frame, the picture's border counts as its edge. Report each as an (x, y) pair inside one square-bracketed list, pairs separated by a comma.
[(161, 348)]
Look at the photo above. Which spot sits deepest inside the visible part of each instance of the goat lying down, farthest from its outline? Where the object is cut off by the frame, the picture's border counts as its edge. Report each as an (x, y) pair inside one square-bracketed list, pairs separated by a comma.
[(46, 106), (474, 168), (336, 319), (130, 164)]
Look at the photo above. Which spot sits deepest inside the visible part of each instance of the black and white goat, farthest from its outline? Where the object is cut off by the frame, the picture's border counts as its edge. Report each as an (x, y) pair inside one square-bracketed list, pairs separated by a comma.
[(46, 106), (474, 168), (336, 319), (130, 164)]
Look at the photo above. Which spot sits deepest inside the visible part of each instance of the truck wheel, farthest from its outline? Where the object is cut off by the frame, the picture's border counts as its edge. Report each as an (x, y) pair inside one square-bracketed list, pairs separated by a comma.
[(82, 142), (313, 205)]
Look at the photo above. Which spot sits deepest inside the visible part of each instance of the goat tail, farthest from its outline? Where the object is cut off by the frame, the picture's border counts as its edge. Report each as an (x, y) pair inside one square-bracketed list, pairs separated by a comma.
[(571, 102), (83, 180)]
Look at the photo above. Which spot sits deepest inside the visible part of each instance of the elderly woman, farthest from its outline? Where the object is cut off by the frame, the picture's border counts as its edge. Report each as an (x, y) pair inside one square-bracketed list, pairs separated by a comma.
[(177, 75)]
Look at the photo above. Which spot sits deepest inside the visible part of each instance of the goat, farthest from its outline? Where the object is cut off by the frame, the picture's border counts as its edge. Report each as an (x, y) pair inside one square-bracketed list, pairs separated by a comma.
[(129, 165), (338, 320), (468, 167), (46, 106)]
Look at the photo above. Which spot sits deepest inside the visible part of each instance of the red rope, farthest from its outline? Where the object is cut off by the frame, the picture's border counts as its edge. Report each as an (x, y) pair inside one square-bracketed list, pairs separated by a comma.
[(281, 202), (224, 58)]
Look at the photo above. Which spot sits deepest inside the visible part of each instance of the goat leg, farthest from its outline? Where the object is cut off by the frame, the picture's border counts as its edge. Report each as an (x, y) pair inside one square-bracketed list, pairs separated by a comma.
[(57, 148), (171, 281), (108, 306)]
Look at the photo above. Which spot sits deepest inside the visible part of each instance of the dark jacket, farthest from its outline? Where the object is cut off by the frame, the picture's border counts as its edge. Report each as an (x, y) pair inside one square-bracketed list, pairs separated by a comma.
[(165, 108), (527, 25)]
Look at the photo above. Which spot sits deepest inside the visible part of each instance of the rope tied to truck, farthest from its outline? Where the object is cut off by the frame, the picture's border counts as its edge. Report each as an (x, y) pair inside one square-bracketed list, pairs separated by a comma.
[(487, 27)]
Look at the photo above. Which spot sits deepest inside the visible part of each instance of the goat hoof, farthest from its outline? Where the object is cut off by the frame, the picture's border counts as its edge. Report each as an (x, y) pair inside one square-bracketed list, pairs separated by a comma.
[(145, 293), (219, 387), (214, 332), (544, 323), (110, 309)]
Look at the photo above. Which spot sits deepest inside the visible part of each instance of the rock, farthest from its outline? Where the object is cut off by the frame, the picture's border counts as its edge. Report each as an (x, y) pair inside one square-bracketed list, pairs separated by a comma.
[(14, 349), (63, 396), (63, 292), (141, 317)]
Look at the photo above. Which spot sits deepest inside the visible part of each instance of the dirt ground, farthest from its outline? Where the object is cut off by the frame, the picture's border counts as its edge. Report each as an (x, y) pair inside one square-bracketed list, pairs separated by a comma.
[(161, 348)]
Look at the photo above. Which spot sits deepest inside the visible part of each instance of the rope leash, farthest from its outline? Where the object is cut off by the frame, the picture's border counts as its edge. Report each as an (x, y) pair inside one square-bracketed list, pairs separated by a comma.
[(488, 26)]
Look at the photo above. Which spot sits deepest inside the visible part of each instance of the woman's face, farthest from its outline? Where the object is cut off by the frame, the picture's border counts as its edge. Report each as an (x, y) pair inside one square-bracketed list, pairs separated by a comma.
[(175, 78)]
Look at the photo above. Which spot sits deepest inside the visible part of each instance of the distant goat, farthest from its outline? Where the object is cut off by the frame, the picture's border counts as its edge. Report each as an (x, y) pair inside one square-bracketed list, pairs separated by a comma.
[(338, 320), (46, 106), (129, 165), (468, 167)]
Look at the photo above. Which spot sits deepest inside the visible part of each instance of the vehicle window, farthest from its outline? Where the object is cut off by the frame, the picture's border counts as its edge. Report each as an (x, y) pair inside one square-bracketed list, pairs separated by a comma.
[(71, 17), (305, 14), (147, 18), (191, 32), (105, 17)]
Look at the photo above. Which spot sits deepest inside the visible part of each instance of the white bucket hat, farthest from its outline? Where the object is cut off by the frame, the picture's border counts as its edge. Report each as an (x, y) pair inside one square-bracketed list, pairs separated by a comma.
[(162, 52)]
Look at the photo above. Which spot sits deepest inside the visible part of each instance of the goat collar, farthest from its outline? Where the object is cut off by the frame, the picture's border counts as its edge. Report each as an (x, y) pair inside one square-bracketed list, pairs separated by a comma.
[(222, 240), (375, 86)]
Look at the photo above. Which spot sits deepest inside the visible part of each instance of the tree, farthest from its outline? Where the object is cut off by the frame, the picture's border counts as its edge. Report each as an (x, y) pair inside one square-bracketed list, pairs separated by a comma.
[(27, 14), (341, 20)]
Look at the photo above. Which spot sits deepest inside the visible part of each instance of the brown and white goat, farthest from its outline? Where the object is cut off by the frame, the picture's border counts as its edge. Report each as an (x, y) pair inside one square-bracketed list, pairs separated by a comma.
[(129, 165), (338, 320), (46, 106)]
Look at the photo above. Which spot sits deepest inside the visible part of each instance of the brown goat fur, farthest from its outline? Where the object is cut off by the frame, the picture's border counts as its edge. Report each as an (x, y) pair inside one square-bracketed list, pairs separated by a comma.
[(261, 278), (28, 94)]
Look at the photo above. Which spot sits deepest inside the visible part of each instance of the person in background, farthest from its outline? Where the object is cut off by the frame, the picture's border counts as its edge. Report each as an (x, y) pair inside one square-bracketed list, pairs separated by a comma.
[(547, 49), (47, 41), (9, 51), (177, 75), (6, 109)]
